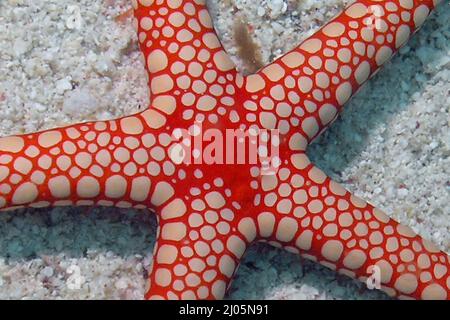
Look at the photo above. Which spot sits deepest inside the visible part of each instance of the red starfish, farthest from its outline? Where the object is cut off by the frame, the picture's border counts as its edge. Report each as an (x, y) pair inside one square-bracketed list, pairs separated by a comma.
[(210, 212)]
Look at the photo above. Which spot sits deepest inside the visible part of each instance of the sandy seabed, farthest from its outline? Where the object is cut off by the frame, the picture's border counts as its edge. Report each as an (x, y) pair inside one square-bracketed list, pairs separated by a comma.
[(63, 62)]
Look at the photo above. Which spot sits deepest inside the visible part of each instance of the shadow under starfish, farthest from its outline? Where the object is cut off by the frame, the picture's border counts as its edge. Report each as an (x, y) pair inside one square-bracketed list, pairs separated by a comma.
[(204, 269)]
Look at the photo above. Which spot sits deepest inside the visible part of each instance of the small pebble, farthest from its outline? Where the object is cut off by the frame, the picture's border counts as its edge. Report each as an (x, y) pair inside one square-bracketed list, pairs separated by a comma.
[(20, 47), (121, 284), (47, 272), (80, 101), (63, 85)]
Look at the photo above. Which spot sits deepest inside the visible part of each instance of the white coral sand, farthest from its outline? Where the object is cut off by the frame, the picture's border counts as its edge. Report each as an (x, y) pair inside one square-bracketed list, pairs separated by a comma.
[(391, 146)]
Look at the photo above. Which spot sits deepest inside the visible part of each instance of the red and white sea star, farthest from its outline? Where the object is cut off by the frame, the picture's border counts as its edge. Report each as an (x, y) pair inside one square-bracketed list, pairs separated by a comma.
[(208, 214)]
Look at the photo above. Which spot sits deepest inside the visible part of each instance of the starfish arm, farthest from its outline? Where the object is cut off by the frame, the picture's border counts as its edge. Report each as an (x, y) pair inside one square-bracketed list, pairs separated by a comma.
[(108, 163), (317, 78), (183, 55), (198, 249), (312, 215)]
